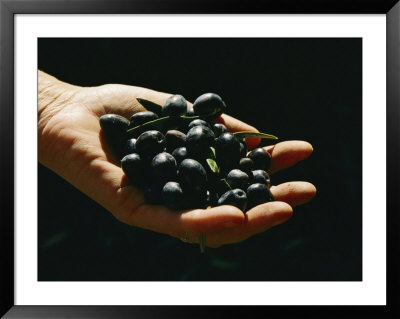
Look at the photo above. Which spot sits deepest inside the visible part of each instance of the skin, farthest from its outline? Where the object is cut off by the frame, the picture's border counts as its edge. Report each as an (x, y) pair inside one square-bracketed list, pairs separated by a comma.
[(70, 143)]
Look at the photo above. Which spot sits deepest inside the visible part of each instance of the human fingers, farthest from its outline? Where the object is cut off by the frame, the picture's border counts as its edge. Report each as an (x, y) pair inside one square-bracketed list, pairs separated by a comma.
[(294, 193), (265, 216), (106, 183), (122, 99), (287, 153), (257, 220), (235, 125), (179, 224)]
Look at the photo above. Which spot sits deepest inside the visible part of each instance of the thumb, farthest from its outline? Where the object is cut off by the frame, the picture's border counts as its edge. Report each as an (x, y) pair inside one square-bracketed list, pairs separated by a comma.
[(122, 99)]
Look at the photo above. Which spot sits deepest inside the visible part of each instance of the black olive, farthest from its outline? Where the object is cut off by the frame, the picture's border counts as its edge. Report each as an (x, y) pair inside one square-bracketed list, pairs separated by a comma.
[(199, 139), (150, 143), (175, 105), (238, 179), (172, 195), (142, 118), (261, 158), (163, 167), (192, 175), (227, 149), (235, 197), (258, 194), (174, 139), (209, 105), (261, 176)]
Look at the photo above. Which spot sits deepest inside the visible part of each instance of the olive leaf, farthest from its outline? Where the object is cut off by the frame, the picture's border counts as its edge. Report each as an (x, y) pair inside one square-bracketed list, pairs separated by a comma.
[(190, 118), (226, 182), (150, 106), (162, 124), (211, 154), (246, 134), (157, 108), (213, 165)]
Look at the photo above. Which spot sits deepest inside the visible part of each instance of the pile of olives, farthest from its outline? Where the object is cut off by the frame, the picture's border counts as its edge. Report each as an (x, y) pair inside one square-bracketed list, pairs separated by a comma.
[(183, 158)]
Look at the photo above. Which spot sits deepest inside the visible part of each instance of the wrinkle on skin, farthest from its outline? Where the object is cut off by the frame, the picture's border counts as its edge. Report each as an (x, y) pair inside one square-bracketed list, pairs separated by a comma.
[(257, 220), (294, 193)]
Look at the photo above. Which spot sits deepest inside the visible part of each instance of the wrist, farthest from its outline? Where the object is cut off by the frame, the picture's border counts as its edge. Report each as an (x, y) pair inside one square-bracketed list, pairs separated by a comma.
[(52, 93), (53, 96)]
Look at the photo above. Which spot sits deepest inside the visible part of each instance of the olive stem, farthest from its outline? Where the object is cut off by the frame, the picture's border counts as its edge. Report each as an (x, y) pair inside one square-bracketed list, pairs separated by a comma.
[(202, 239), (202, 242)]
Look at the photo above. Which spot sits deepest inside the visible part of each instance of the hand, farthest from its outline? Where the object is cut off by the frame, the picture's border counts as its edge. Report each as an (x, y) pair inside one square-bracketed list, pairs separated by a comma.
[(70, 144)]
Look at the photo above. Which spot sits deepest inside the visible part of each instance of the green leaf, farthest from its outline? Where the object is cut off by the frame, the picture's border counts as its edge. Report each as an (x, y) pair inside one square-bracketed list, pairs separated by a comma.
[(254, 134), (162, 124), (213, 165), (190, 118), (212, 153), (226, 182), (150, 106)]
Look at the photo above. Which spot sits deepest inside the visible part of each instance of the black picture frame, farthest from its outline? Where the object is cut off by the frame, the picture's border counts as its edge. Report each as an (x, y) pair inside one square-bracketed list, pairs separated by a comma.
[(8, 10)]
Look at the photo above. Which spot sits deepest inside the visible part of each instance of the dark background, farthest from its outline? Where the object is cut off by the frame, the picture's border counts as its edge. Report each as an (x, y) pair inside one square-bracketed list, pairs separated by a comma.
[(302, 89)]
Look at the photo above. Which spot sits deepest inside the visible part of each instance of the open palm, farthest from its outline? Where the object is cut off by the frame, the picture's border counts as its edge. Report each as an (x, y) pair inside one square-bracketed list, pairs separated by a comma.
[(71, 144)]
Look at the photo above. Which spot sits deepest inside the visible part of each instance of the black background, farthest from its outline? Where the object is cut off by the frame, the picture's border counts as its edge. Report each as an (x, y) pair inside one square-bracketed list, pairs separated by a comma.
[(303, 89)]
